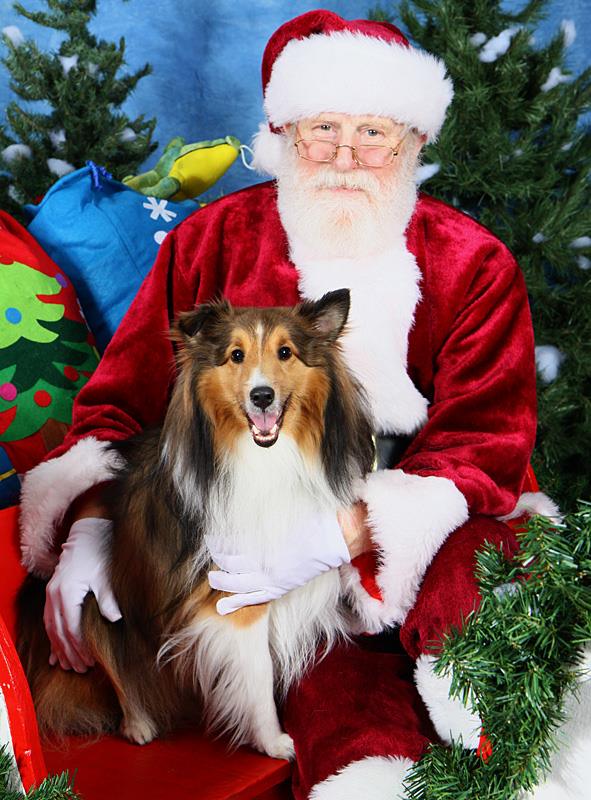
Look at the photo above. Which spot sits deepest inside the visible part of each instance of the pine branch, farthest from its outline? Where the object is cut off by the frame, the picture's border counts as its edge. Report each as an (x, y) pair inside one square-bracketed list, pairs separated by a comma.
[(515, 661), (84, 87)]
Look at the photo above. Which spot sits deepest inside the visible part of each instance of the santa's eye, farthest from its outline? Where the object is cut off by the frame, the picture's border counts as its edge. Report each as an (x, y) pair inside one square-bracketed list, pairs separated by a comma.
[(284, 353), (237, 356)]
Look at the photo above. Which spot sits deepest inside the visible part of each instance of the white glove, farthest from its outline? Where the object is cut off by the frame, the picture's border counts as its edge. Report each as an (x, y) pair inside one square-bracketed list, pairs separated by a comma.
[(315, 545), (81, 569)]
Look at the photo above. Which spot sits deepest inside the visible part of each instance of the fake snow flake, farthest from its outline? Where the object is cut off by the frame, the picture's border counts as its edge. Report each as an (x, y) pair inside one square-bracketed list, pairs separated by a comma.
[(555, 78), (15, 195), (497, 45), (127, 135), (14, 35), (518, 152), (57, 138), (157, 209), (505, 590), (583, 262), (14, 152), (426, 171), (569, 31), (581, 242), (59, 167), (566, 146), (68, 63), (477, 39), (538, 238), (548, 361)]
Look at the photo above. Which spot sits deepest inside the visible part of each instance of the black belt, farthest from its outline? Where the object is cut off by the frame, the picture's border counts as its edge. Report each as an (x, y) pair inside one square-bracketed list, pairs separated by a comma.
[(390, 448)]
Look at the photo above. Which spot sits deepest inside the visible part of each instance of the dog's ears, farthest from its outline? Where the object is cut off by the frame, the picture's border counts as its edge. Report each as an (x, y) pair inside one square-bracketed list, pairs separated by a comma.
[(329, 314), (190, 323)]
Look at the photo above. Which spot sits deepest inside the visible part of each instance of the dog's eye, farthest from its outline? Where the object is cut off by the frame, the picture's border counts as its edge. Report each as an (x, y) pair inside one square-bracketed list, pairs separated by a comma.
[(237, 356), (284, 353)]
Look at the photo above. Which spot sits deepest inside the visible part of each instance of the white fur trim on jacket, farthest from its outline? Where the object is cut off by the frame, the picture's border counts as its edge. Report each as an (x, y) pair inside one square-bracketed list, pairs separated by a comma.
[(48, 491), (352, 73), (372, 778), (375, 341), (410, 517), (450, 717)]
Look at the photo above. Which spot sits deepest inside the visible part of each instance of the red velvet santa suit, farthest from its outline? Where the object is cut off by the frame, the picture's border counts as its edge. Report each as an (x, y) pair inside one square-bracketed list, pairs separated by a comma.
[(440, 335)]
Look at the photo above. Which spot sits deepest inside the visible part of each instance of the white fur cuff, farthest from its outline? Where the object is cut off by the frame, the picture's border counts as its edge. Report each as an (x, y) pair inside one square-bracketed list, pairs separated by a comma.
[(372, 778), (49, 489), (410, 517)]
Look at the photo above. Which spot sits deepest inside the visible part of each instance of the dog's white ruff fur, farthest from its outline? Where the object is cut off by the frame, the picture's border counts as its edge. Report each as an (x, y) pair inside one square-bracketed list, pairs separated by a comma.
[(372, 778), (253, 509)]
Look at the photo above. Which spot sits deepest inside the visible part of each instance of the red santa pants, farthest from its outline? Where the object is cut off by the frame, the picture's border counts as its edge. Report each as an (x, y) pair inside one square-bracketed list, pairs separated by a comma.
[(361, 700)]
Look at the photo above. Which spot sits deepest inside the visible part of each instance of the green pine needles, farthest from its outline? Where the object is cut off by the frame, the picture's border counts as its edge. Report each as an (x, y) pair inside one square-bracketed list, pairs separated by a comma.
[(515, 661), (55, 787), (81, 119), (515, 155)]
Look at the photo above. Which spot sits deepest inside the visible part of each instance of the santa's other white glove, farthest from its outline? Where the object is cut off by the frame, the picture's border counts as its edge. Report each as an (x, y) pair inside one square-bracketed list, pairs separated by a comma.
[(315, 545), (81, 569)]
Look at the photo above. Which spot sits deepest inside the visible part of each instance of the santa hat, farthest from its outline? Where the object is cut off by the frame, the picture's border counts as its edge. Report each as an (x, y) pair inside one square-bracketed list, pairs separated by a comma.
[(320, 62)]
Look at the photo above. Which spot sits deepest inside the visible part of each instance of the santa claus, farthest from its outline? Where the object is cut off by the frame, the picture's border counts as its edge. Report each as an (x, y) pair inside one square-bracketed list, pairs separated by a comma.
[(439, 335)]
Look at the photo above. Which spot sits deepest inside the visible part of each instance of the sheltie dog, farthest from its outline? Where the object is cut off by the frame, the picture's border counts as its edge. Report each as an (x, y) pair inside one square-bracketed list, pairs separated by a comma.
[(264, 426)]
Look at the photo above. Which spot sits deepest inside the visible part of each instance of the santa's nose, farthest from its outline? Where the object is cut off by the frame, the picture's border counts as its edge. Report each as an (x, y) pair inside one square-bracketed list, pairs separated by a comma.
[(344, 159)]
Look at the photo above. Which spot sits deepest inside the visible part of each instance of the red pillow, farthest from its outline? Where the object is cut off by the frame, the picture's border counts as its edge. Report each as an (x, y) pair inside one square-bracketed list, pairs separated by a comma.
[(47, 354)]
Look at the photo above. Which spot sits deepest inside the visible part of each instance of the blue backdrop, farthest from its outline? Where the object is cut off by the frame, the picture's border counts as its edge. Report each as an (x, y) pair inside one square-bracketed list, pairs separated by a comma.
[(206, 58)]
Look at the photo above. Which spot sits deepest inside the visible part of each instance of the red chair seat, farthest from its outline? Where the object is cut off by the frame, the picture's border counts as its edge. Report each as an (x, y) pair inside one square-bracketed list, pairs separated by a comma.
[(186, 764)]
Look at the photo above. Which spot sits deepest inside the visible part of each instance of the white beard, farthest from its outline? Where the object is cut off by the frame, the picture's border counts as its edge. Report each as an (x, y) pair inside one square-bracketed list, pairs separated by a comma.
[(345, 225)]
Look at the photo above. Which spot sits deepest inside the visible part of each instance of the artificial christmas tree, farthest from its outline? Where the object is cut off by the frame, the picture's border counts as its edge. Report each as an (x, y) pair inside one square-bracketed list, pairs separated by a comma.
[(81, 84), (514, 155)]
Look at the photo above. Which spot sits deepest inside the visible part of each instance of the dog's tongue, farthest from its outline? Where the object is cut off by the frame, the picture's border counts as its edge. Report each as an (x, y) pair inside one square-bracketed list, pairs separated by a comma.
[(264, 422)]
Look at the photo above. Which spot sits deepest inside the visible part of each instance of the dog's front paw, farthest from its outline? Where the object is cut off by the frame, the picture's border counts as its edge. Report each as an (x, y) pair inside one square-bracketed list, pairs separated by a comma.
[(280, 747), (139, 730)]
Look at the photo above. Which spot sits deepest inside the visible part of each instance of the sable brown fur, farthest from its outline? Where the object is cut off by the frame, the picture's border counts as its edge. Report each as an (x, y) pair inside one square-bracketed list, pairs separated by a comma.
[(156, 561)]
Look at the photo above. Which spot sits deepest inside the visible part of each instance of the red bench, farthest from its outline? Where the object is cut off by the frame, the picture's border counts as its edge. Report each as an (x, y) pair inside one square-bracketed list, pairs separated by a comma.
[(186, 764)]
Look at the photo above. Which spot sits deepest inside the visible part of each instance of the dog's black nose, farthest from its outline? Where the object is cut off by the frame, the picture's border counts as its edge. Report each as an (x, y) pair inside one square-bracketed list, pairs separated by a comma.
[(262, 396)]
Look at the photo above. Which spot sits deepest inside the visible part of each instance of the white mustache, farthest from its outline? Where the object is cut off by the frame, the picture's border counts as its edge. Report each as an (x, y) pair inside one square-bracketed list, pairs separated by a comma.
[(345, 180)]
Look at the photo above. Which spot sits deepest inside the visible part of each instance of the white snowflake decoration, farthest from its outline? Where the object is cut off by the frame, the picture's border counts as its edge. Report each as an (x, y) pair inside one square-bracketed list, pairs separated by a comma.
[(14, 34), (548, 361), (158, 209)]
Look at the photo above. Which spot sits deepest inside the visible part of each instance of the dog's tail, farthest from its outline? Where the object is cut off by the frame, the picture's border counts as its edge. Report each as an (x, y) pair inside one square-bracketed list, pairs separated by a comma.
[(66, 702)]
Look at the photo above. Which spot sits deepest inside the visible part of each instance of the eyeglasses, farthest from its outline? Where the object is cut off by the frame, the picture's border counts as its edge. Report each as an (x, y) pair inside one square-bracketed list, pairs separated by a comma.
[(365, 155)]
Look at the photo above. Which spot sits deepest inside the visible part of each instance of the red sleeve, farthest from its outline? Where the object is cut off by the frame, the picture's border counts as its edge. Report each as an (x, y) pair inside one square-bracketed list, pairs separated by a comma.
[(482, 421)]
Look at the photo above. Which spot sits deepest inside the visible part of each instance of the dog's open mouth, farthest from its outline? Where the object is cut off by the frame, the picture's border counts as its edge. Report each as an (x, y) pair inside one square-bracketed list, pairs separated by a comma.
[(265, 427)]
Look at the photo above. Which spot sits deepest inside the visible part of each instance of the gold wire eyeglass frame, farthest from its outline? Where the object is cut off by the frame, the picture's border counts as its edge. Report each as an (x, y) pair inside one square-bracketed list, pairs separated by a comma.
[(354, 148)]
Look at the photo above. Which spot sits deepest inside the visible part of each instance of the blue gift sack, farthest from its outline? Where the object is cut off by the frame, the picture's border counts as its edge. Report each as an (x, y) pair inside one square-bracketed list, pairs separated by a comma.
[(105, 236)]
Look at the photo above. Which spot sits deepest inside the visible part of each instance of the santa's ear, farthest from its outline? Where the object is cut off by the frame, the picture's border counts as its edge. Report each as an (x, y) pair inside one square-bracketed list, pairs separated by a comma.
[(329, 314), (190, 323)]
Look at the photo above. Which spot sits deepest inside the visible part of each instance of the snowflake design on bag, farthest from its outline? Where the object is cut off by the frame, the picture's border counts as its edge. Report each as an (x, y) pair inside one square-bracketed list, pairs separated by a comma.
[(158, 208)]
